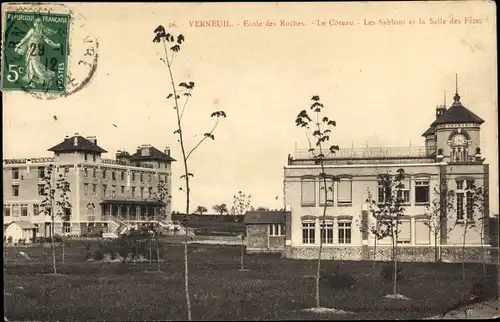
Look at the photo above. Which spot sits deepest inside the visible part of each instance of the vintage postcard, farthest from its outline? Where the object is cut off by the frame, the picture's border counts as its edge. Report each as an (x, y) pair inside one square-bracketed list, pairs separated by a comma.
[(250, 161)]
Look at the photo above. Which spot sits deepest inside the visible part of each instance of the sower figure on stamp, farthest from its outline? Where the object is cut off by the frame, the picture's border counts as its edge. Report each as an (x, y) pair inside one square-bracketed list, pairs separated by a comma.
[(31, 46)]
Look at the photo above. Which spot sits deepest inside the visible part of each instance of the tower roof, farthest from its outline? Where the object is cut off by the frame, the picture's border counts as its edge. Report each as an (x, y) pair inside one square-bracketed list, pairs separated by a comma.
[(77, 143), (457, 113), (429, 131)]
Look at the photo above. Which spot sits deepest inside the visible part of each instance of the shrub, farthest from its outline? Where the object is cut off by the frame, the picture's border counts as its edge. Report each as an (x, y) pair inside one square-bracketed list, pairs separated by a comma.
[(387, 272), (9, 239), (21, 241), (336, 278)]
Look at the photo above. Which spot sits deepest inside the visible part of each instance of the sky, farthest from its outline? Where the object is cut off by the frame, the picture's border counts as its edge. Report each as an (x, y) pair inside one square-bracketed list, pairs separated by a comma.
[(381, 83)]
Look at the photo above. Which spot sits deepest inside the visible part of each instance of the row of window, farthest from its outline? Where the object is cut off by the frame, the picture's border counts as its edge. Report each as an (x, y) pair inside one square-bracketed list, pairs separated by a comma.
[(326, 232), (22, 211), (344, 192), (41, 174)]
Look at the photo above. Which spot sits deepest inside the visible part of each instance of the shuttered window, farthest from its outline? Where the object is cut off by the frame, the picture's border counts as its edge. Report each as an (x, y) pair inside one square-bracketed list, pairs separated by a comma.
[(344, 191), (308, 187)]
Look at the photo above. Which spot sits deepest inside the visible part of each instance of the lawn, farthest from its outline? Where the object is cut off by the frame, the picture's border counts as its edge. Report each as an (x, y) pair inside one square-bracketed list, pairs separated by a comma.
[(272, 289)]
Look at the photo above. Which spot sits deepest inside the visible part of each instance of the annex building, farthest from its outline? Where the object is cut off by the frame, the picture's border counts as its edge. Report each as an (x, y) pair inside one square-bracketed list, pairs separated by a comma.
[(452, 152), (105, 194)]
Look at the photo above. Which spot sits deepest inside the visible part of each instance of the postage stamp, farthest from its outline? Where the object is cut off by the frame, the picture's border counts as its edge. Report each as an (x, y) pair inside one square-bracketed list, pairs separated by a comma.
[(35, 54)]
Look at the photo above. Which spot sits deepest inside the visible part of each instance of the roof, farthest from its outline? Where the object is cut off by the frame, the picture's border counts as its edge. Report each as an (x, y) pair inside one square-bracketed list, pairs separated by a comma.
[(265, 217), (457, 113), (154, 154), (24, 224), (82, 144), (429, 131)]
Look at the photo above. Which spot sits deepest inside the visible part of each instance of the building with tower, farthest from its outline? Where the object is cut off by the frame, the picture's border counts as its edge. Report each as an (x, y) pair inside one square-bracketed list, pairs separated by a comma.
[(105, 193), (450, 159)]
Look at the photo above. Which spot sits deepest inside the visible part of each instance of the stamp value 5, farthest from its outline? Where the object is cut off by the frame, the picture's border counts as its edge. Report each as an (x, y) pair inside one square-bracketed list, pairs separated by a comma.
[(35, 53)]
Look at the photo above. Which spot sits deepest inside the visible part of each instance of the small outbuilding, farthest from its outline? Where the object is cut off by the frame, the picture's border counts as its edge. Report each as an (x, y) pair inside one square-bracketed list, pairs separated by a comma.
[(18, 231), (265, 231)]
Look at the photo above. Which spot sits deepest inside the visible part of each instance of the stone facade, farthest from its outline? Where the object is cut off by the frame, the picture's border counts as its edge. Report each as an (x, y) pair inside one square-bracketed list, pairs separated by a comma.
[(259, 241), (404, 254)]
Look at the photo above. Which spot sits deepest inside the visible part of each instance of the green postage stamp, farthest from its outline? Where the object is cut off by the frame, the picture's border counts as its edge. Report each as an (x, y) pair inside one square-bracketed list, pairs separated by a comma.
[(35, 52)]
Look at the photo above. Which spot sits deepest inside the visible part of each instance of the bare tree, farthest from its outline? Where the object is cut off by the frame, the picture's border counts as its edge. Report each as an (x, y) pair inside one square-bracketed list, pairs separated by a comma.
[(388, 211), (321, 128), (171, 46), (241, 203), (54, 206)]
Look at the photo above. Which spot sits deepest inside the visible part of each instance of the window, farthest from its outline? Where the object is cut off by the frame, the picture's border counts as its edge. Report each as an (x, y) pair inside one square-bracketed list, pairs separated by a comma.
[(133, 176), (422, 232), (383, 192), (66, 227), (94, 157), (24, 211), (403, 192), (161, 178), (37, 228), (67, 213), (141, 177), (85, 188), (66, 171), (104, 190), (15, 190), (41, 190), (150, 191), (327, 232), (94, 189), (15, 173), (15, 210), (94, 173), (85, 172), (113, 175), (465, 201), (90, 227), (329, 189), (308, 192), (421, 191), (308, 232), (123, 190), (104, 174), (344, 232), (404, 232), (276, 229), (36, 210), (142, 192), (113, 191), (86, 156), (122, 175), (150, 177), (133, 192), (41, 172), (6, 211), (344, 192)]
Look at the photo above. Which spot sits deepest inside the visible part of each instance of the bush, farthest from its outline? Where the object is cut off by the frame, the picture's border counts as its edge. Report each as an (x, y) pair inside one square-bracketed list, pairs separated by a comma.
[(387, 272), (21, 241), (338, 279), (9, 239)]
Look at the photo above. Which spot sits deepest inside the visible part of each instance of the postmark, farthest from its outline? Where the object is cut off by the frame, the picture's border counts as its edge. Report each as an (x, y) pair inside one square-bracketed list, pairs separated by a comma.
[(81, 51)]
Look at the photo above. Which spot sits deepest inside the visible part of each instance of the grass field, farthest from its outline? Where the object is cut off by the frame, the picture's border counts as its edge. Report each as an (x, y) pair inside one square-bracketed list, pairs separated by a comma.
[(272, 289)]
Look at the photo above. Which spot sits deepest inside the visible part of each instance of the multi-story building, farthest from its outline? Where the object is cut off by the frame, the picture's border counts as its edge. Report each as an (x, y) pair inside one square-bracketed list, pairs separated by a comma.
[(103, 191), (451, 153)]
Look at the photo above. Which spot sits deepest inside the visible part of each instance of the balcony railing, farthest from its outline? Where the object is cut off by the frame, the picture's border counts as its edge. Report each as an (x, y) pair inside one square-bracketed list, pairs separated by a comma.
[(29, 160), (111, 161), (372, 153)]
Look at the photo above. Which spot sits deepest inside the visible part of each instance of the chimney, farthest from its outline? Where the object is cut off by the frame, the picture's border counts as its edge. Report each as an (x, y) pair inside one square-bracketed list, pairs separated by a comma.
[(92, 139), (167, 151), (66, 137)]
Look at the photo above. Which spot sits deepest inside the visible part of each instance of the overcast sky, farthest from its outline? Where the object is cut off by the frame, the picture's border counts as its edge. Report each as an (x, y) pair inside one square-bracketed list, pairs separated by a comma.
[(381, 84)]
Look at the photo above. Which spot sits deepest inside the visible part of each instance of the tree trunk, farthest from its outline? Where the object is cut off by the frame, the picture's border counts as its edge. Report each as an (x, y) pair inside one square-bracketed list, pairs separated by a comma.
[(242, 252), (53, 244), (436, 248), (463, 251), (374, 257), (158, 254), (394, 260), (483, 254), (318, 271), (150, 253), (62, 243)]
